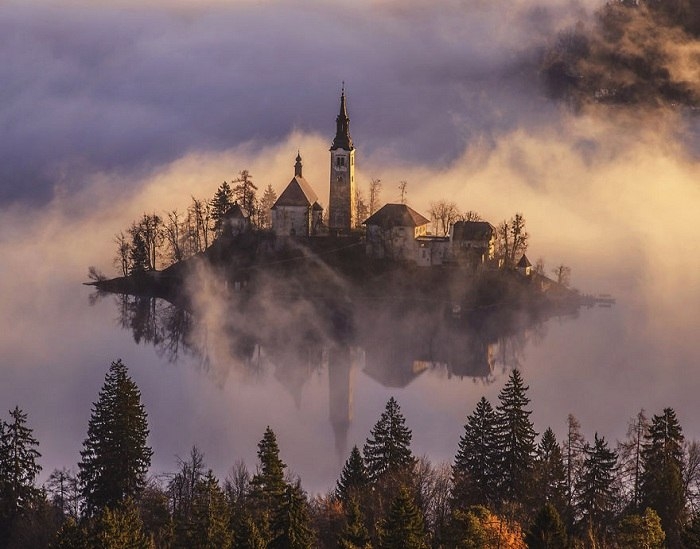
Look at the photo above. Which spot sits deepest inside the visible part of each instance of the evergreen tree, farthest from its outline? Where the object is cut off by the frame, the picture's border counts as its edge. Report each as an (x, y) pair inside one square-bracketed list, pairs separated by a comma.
[(388, 449), (403, 528), (550, 475), (246, 534), (354, 534), (70, 536), (547, 531), (18, 471), (220, 204), (641, 531), (662, 478), (690, 536), (474, 473), (267, 487), (596, 490), (268, 200), (244, 193), (138, 254), (292, 523), (115, 457), (119, 527), (516, 440), (209, 526), (353, 478)]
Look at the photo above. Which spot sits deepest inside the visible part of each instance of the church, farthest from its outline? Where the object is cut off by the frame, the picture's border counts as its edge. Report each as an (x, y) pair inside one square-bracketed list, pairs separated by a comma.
[(297, 211), (395, 232)]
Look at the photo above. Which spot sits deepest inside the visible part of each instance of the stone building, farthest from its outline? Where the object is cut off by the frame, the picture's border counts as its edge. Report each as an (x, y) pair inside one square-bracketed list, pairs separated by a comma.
[(341, 203), (297, 211)]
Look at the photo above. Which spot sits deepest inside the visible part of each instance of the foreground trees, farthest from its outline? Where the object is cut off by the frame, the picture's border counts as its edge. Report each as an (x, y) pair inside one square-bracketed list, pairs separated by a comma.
[(115, 457), (384, 496)]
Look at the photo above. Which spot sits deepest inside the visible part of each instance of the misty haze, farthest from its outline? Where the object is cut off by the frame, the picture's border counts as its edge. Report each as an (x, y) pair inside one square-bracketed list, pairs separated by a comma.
[(574, 114)]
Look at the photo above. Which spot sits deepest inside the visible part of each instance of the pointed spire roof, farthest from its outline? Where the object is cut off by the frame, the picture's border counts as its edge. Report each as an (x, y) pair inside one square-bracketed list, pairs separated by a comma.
[(297, 166), (342, 127)]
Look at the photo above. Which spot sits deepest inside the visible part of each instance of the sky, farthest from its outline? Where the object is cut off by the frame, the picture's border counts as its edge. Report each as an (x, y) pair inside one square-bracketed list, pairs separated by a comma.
[(110, 111)]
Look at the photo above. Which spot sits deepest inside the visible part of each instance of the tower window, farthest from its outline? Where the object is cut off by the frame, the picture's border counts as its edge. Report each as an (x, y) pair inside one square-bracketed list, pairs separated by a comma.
[(340, 161)]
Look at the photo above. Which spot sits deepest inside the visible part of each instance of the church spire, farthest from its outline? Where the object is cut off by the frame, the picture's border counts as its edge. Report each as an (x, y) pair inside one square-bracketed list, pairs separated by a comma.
[(342, 127), (297, 166)]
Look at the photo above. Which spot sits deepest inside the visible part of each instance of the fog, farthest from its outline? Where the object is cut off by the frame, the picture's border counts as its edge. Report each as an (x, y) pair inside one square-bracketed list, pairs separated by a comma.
[(109, 113)]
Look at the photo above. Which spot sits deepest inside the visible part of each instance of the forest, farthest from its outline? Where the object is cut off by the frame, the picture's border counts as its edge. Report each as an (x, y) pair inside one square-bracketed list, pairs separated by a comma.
[(508, 486)]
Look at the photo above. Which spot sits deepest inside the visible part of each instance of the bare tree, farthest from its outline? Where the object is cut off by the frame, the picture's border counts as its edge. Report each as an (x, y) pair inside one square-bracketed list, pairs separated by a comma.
[(402, 190), (563, 274), (470, 215), (512, 239), (200, 214), (539, 266), (123, 258), (361, 208), (443, 215), (375, 188), (172, 231), (630, 458)]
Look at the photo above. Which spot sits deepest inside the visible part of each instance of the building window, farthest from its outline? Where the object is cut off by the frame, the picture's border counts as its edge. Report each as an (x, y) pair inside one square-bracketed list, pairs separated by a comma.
[(340, 161)]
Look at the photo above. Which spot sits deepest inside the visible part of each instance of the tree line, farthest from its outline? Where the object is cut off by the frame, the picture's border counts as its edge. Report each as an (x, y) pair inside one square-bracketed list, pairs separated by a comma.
[(157, 240), (506, 487)]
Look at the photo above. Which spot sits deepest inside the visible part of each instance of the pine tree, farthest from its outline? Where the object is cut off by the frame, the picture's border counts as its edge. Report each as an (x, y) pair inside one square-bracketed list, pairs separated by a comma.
[(596, 490), (353, 478), (209, 526), (138, 254), (115, 457), (547, 531), (403, 528), (119, 527), (474, 473), (292, 523), (516, 440), (244, 193), (662, 477), (354, 534), (388, 449), (642, 531), (268, 200), (220, 204), (267, 487), (550, 474), (246, 534), (18, 470)]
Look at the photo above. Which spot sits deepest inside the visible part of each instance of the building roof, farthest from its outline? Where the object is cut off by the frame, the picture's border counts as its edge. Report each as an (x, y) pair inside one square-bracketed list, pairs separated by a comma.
[(342, 138), (472, 230), (524, 262), (297, 193), (396, 215), (236, 212)]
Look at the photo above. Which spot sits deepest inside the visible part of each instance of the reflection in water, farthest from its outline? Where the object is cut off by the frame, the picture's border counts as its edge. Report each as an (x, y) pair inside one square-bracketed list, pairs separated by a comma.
[(392, 346)]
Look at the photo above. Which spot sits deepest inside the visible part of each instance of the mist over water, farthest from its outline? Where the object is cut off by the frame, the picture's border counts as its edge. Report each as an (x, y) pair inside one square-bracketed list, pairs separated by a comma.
[(113, 114)]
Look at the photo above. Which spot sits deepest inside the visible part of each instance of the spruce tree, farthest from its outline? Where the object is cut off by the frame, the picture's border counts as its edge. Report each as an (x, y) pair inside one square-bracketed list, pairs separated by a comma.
[(663, 463), (119, 527), (267, 487), (291, 525), (209, 525), (220, 204), (516, 440), (18, 470), (403, 528), (354, 535), (596, 486), (550, 474), (353, 478), (474, 473), (115, 457), (388, 449), (246, 534), (547, 531)]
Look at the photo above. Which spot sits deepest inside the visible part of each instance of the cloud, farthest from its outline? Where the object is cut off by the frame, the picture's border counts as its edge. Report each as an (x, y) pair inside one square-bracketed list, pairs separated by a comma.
[(127, 90)]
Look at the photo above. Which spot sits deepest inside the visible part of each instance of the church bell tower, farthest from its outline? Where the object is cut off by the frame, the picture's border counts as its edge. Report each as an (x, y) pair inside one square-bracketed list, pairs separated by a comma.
[(341, 208)]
